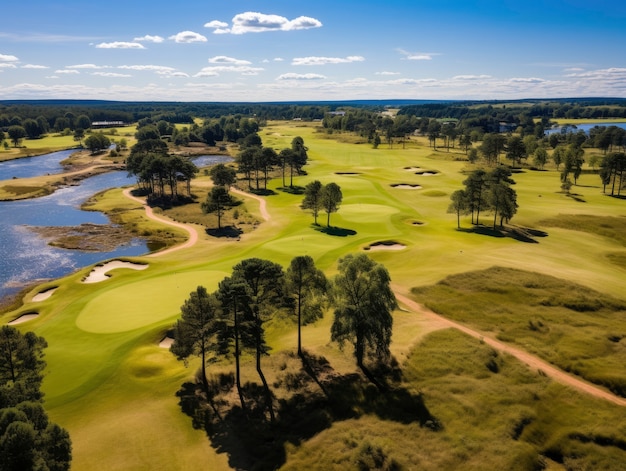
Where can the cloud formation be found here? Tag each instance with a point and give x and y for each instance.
(255, 22)
(314, 60)
(120, 45)
(227, 60)
(418, 56)
(215, 71)
(151, 39)
(187, 37)
(292, 76)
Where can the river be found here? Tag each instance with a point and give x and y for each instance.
(584, 127)
(25, 257)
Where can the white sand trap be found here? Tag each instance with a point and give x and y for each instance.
(382, 246)
(100, 273)
(406, 186)
(43, 295)
(24, 318)
(166, 342)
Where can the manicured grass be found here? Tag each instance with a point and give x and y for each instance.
(112, 387)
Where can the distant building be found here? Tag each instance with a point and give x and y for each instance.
(108, 124)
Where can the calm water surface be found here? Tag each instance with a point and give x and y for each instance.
(25, 257)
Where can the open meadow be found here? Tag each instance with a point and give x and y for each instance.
(114, 388)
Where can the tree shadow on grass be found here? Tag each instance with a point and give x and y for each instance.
(522, 234)
(311, 399)
(229, 232)
(293, 190)
(263, 192)
(334, 231)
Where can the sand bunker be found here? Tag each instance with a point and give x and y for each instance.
(386, 245)
(407, 186)
(100, 273)
(166, 342)
(347, 173)
(427, 173)
(24, 318)
(43, 295)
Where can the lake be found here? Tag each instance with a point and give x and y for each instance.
(585, 127)
(25, 257)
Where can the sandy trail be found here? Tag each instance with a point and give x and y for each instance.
(191, 230)
(533, 362)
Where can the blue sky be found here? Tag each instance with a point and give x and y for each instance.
(277, 50)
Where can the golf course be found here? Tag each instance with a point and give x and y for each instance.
(513, 341)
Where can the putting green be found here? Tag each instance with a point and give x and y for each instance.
(134, 305)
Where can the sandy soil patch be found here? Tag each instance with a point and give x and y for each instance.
(166, 342)
(427, 173)
(24, 318)
(43, 295)
(100, 273)
(388, 245)
(407, 186)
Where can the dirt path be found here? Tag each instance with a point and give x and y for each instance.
(191, 230)
(262, 203)
(534, 363)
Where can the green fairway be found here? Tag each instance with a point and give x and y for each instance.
(113, 388)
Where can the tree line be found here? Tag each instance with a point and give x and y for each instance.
(230, 321)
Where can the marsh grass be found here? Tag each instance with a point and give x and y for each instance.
(508, 419)
(578, 329)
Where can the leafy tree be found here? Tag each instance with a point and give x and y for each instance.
(236, 332)
(196, 330)
(79, 135)
(331, 198)
(541, 157)
(217, 201)
(491, 147)
(364, 302)
(304, 283)
(503, 200)
(223, 175)
(558, 155)
(313, 198)
(32, 128)
(264, 283)
(285, 156)
(458, 205)
(572, 162)
(2, 136)
(612, 169)
(83, 122)
(97, 142)
(515, 149)
(16, 134)
(475, 186)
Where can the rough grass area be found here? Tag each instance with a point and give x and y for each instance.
(493, 414)
(607, 226)
(578, 329)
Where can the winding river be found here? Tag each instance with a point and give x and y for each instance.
(25, 257)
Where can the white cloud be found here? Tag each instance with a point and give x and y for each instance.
(387, 73)
(87, 66)
(418, 56)
(254, 22)
(313, 60)
(216, 24)
(188, 37)
(214, 71)
(8, 58)
(153, 68)
(526, 80)
(67, 71)
(120, 45)
(228, 60)
(292, 76)
(7, 65)
(471, 77)
(150, 39)
(34, 66)
(111, 74)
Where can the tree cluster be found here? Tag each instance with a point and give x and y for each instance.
(28, 440)
(318, 197)
(257, 162)
(612, 170)
(231, 321)
(486, 191)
